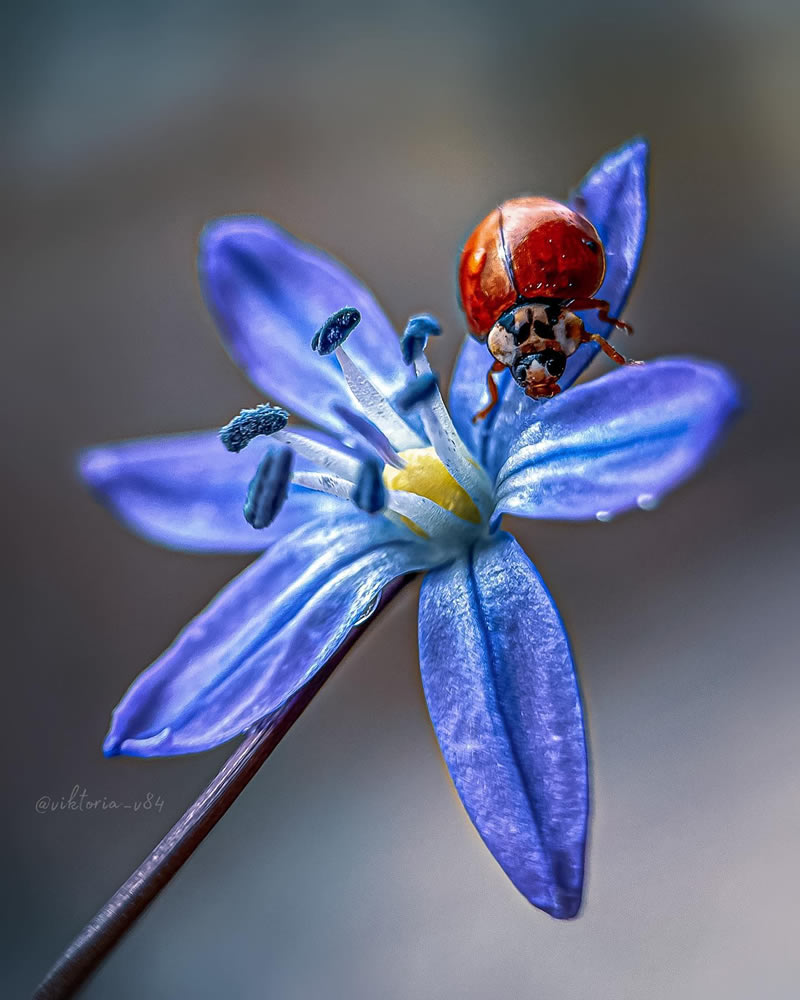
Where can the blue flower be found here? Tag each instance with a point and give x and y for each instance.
(395, 483)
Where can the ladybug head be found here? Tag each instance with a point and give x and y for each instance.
(538, 373)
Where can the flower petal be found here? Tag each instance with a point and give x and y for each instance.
(504, 701)
(623, 439)
(263, 636)
(269, 293)
(466, 397)
(614, 199)
(187, 492)
(613, 196)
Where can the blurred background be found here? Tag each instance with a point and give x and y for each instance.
(382, 133)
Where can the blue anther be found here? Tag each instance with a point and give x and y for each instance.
(420, 390)
(369, 492)
(268, 488)
(417, 331)
(335, 330)
(264, 419)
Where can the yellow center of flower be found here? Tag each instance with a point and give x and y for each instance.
(426, 476)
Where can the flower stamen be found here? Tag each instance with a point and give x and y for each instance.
(370, 493)
(376, 406)
(419, 390)
(332, 459)
(416, 334)
(335, 330)
(324, 482)
(328, 340)
(249, 424)
(443, 493)
(269, 487)
(419, 513)
(374, 437)
(445, 439)
(425, 516)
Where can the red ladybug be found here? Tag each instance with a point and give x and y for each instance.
(523, 268)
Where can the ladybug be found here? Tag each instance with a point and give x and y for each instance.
(524, 268)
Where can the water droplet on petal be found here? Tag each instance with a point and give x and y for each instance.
(647, 501)
(604, 515)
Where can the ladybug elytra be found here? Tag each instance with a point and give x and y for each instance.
(524, 268)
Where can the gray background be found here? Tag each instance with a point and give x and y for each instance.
(348, 868)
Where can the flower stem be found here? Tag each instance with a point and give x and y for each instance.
(110, 924)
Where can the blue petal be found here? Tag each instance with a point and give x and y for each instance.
(187, 492)
(269, 293)
(466, 397)
(263, 636)
(623, 439)
(614, 196)
(504, 701)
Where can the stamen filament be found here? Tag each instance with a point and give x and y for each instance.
(324, 482)
(449, 446)
(376, 406)
(427, 515)
(370, 433)
(321, 454)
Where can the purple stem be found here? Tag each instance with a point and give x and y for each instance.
(110, 924)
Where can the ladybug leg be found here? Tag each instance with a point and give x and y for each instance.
(494, 396)
(602, 312)
(606, 348)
